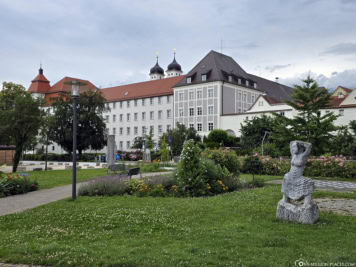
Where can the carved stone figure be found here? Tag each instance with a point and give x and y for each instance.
(296, 187)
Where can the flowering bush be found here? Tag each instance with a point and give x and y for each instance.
(11, 184)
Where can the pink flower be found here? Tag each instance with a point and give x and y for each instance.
(341, 164)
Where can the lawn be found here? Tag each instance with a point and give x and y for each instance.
(50, 179)
(234, 229)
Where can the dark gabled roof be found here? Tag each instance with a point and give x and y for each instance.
(273, 89)
(218, 67)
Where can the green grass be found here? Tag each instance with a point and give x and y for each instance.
(50, 179)
(235, 229)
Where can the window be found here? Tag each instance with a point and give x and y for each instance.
(121, 145)
(230, 78)
(128, 130)
(113, 118)
(240, 96)
(341, 112)
(135, 116)
(255, 85)
(340, 95)
(247, 83)
(159, 129)
(189, 79)
(199, 111)
(143, 129)
(114, 131)
(152, 129)
(247, 118)
(128, 116)
(169, 114)
(191, 125)
(200, 94)
(151, 101)
(191, 111)
(128, 103)
(135, 102)
(181, 96)
(168, 127)
(160, 114)
(210, 126)
(121, 117)
(260, 103)
(121, 130)
(159, 100)
(210, 93)
(143, 102)
(143, 116)
(191, 95)
(239, 81)
(181, 113)
(107, 130)
(199, 127)
(253, 99)
(120, 104)
(210, 110)
(107, 105)
(53, 148)
(107, 118)
(203, 77)
(114, 105)
(128, 144)
(152, 115)
(239, 110)
(327, 111)
(135, 130)
(245, 97)
(168, 99)
(282, 113)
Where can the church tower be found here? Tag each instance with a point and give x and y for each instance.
(174, 69)
(156, 72)
(39, 85)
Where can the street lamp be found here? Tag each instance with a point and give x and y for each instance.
(75, 94)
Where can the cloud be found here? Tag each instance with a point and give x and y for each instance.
(341, 49)
(276, 67)
(346, 78)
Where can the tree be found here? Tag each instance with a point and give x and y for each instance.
(138, 142)
(91, 125)
(20, 118)
(164, 151)
(308, 125)
(150, 143)
(219, 138)
(177, 136)
(253, 131)
(343, 142)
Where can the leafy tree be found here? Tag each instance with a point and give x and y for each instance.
(164, 151)
(177, 136)
(343, 143)
(150, 143)
(20, 118)
(308, 125)
(252, 164)
(138, 142)
(91, 125)
(253, 131)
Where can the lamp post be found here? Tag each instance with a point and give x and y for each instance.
(75, 94)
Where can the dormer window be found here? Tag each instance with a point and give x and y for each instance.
(230, 78)
(247, 83)
(189, 79)
(203, 77)
(255, 85)
(340, 95)
(239, 81)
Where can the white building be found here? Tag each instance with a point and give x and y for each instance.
(216, 93)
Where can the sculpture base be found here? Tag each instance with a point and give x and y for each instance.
(297, 213)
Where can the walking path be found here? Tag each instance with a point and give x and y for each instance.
(329, 185)
(34, 199)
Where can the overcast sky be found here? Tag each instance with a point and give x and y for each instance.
(111, 42)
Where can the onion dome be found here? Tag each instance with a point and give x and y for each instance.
(174, 65)
(157, 69)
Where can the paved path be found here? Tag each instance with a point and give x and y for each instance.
(329, 185)
(34, 199)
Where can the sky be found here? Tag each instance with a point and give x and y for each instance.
(114, 42)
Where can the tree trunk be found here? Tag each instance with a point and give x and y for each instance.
(17, 156)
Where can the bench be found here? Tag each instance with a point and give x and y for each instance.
(133, 171)
(116, 168)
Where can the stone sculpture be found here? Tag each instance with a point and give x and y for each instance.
(296, 187)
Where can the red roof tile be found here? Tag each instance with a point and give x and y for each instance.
(40, 84)
(142, 89)
(335, 101)
(271, 100)
(61, 87)
(347, 90)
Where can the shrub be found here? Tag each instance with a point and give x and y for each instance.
(15, 184)
(106, 186)
(269, 149)
(224, 158)
(189, 176)
(150, 167)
